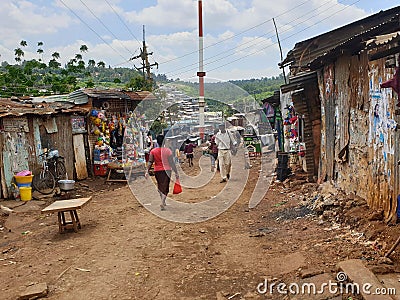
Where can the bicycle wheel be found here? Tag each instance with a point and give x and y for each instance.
(61, 171)
(43, 181)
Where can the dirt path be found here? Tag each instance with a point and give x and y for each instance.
(125, 252)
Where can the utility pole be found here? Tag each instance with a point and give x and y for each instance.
(146, 66)
(201, 72)
(280, 49)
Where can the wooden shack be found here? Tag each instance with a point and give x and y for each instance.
(28, 127)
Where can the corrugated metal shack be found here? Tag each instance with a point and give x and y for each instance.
(29, 126)
(351, 132)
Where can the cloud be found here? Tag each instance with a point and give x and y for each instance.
(22, 19)
(177, 14)
(87, 8)
(237, 33)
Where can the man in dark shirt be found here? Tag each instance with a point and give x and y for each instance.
(189, 152)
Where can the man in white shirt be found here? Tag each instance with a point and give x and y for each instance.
(223, 139)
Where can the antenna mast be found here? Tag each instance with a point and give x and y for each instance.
(201, 73)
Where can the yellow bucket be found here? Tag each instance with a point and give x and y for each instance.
(25, 193)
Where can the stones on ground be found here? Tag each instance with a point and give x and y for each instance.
(260, 232)
(6, 210)
(34, 291)
(382, 269)
(306, 273)
(355, 271)
(314, 287)
(383, 265)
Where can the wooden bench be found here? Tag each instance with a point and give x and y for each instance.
(65, 206)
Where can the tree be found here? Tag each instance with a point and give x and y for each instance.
(81, 65)
(83, 48)
(23, 43)
(54, 64)
(138, 83)
(91, 63)
(157, 126)
(89, 84)
(55, 55)
(19, 53)
(101, 64)
(40, 50)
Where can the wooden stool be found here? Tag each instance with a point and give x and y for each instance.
(65, 206)
(64, 225)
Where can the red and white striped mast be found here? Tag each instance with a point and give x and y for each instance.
(201, 73)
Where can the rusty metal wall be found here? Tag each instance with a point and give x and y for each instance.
(20, 149)
(356, 110)
(326, 81)
(60, 140)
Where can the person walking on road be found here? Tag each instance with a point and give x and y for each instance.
(213, 150)
(164, 164)
(223, 139)
(189, 152)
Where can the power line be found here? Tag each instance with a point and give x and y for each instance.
(254, 39)
(253, 53)
(238, 34)
(76, 15)
(304, 29)
(122, 21)
(104, 25)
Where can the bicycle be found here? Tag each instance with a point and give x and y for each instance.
(52, 170)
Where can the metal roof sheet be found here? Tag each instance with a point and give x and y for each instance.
(105, 93)
(309, 51)
(9, 107)
(383, 39)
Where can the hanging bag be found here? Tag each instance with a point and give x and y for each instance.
(232, 147)
(177, 187)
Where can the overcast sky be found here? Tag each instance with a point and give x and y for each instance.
(239, 35)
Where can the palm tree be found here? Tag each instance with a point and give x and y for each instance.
(55, 55)
(19, 53)
(91, 63)
(101, 64)
(83, 49)
(81, 65)
(23, 43)
(78, 57)
(40, 50)
(54, 64)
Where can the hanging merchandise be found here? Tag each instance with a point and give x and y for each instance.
(291, 129)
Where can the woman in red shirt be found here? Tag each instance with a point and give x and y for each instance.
(163, 165)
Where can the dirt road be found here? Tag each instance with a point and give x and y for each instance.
(125, 252)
